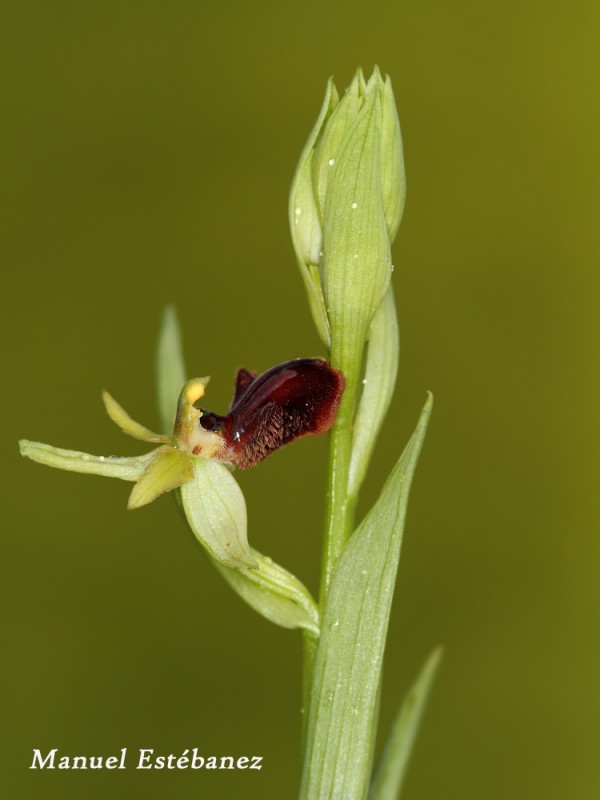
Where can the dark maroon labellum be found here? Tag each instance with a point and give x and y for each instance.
(294, 399)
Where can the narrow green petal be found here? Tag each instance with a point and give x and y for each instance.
(347, 673)
(216, 511)
(121, 418)
(396, 754)
(127, 469)
(170, 368)
(378, 387)
(274, 593)
(169, 469)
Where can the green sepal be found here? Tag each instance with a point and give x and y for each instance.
(274, 593)
(170, 368)
(127, 469)
(216, 512)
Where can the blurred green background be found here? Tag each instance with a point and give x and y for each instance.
(147, 152)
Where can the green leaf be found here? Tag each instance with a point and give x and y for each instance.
(396, 754)
(127, 469)
(274, 592)
(170, 369)
(169, 469)
(379, 382)
(342, 715)
(128, 425)
(216, 512)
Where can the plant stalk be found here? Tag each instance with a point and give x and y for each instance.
(339, 515)
(309, 651)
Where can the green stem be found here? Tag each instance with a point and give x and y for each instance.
(309, 651)
(339, 517)
(340, 507)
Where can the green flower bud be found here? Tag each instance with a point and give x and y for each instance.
(305, 224)
(356, 263)
(346, 204)
(331, 138)
(393, 177)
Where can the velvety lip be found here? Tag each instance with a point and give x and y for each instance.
(297, 398)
